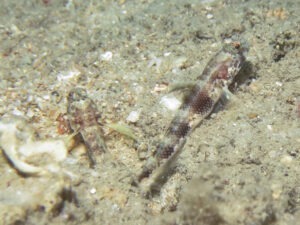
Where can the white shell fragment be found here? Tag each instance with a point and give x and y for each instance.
(67, 75)
(18, 144)
(133, 116)
(55, 148)
(93, 191)
(170, 102)
(106, 56)
(209, 16)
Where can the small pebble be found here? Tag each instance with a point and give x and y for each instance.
(67, 75)
(286, 160)
(133, 116)
(170, 102)
(106, 56)
(93, 191)
(270, 128)
(209, 16)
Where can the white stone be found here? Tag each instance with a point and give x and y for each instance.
(209, 16)
(93, 191)
(170, 102)
(67, 75)
(106, 56)
(133, 116)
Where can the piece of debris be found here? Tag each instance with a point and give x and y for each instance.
(17, 141)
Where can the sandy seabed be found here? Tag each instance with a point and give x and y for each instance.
(241, 166)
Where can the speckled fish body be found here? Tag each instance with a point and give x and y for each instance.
(83, 118)
(199, 104)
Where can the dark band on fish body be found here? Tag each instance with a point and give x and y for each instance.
(201, 103)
